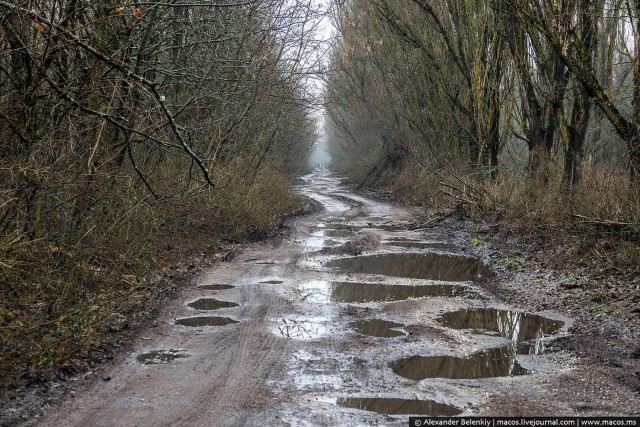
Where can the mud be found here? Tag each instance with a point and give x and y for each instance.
(161, 356)
(415, 245)
(309, 351)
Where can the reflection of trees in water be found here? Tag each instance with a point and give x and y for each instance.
(417, 266)
(526, 331)
(495, 362)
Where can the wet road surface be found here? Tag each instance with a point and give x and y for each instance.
(292, 335)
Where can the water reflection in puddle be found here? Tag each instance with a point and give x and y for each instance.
(495, 362)
(372, 292)
(205, 321)
(377, 328)
(215, 287)
(210, 304)
(157, 357)
(526, 329)
(395, 406)
(305, 329)
(316, 291)
(416, 266)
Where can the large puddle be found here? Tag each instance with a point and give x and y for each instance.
(524, 328)
(394, 406)
(416, 266)
(210, 304)
(373, 292)
(377, 328)
(156, 357)
(205, 321)
(495, 362)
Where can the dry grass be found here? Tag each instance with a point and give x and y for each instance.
(67, 292)
(596, 224)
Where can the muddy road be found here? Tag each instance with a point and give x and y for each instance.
(306, 333)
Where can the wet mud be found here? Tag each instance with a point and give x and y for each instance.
(358, 340)
(415, 245)
(157, 357)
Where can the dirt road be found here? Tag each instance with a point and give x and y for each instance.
(307, 334)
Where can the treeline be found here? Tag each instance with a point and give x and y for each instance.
(527, 108)
(129, 132)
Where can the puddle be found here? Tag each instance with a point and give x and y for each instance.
(394, 406)
(210, 304)
(316, 291)
(157, 357)
(495, 362)
(377, 328)
(416, 266)
(215, 287)
(415, 245)
(372, 292)
(205, 321)
(272, 282)
(301, 329)
(526, 329)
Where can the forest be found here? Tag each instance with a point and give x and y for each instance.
(526, 110)
(133, 135)
(140, 138)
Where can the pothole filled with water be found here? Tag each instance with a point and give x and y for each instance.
(210, 304)
(432, 266)
(157, 357)
(495, 362)
(373, 292)
(526, 329)
(415, 245)
(205, 321)
(215, 287)
(377, 328)
(395, 406)
(272, 282)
